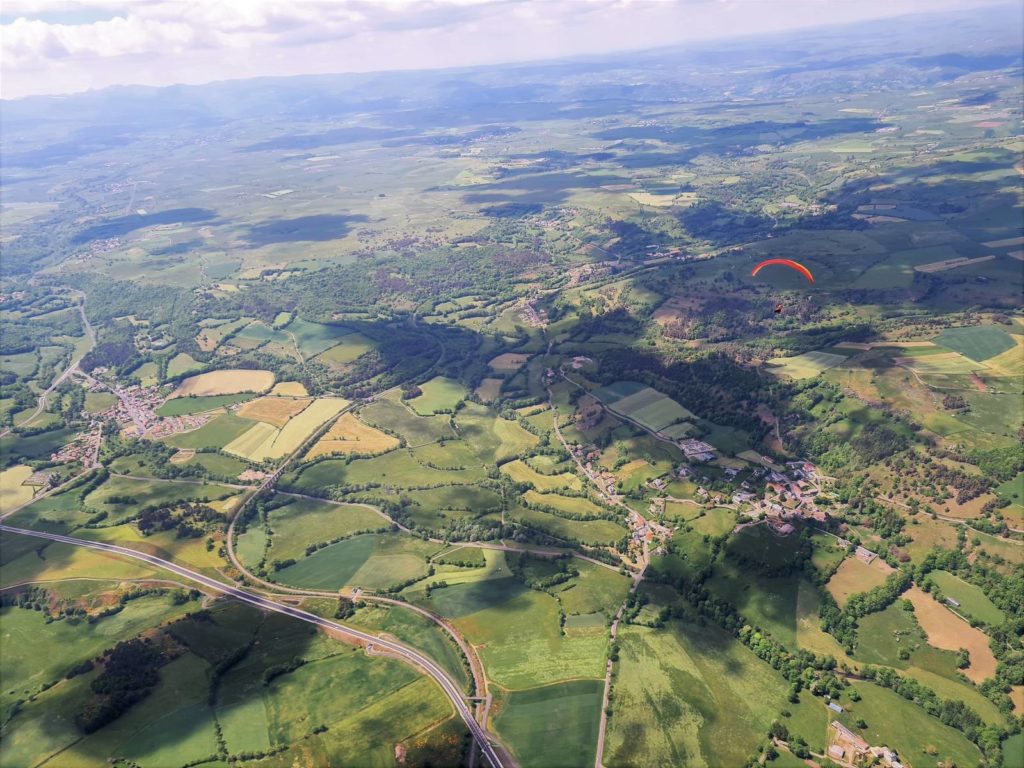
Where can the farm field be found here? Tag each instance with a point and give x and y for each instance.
(289, 389)
(808, 364)
(265, 441)
(397, 468)
(180, 406)
(978, 343)
(949, 632)
(972, 600)
(350, 347)
(855, 576)
(306, 521)
(521, 472)
(565, 714)
(225, 383)
(12, 492)
(509, 362)
(215, 434)
(439, 395)
(518, 632)
(276, 411)
(697, 696)
(349, 435)
(590, 532)
(394, 417)
(369, 561)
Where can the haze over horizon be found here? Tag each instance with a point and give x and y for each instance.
(65, 46)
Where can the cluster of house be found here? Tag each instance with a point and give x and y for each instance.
(849, 749)
(83, 447)
(790, 495)
(643, 531)
(533, 317)
(172, 425)
(134, 404)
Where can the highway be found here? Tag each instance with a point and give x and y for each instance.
(450, 688)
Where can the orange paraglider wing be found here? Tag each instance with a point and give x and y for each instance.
(785, 263)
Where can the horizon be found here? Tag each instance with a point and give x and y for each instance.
(37, 59)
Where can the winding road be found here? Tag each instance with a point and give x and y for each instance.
(449, 686)
(72, 366)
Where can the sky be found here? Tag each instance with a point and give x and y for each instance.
(65, 46)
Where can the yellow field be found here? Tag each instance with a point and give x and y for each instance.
(854, 576)
(509, 362)
(1007, 243)
(225, 383)
(273, 410)
(944, 362)
(1010, 362)
(806, 365)
(949, 632)
(12, 492)
(349, 435)
(289, 389)
(489, 389)
(263, 441)
(522, 473)
(248, 443)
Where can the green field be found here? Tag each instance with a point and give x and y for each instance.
(590, 532)
(883, 635)
(306, 521)
(144, 493)
(904, 727)
(372, 561)
(185, 405)
(394, 417)
(469, 497)
(183, 363)
(36, 652)
(397, 468)
(572, 505)
(350, 347)
(439, 394)
(979, 342)
(218, 464)
(554, 726)
(518, 632)
(973, 601)
(418, 632)
(694, 696)
(216, 433)
(493, 438)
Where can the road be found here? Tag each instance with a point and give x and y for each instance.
(72, 366)
(449, 686)
(599, 756)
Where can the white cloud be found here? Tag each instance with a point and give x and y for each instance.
(54, 46)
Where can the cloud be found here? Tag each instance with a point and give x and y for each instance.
(54, 46)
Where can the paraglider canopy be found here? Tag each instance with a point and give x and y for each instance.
(785, 263)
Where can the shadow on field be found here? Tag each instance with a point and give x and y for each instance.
(316, 228)
(125, 224)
